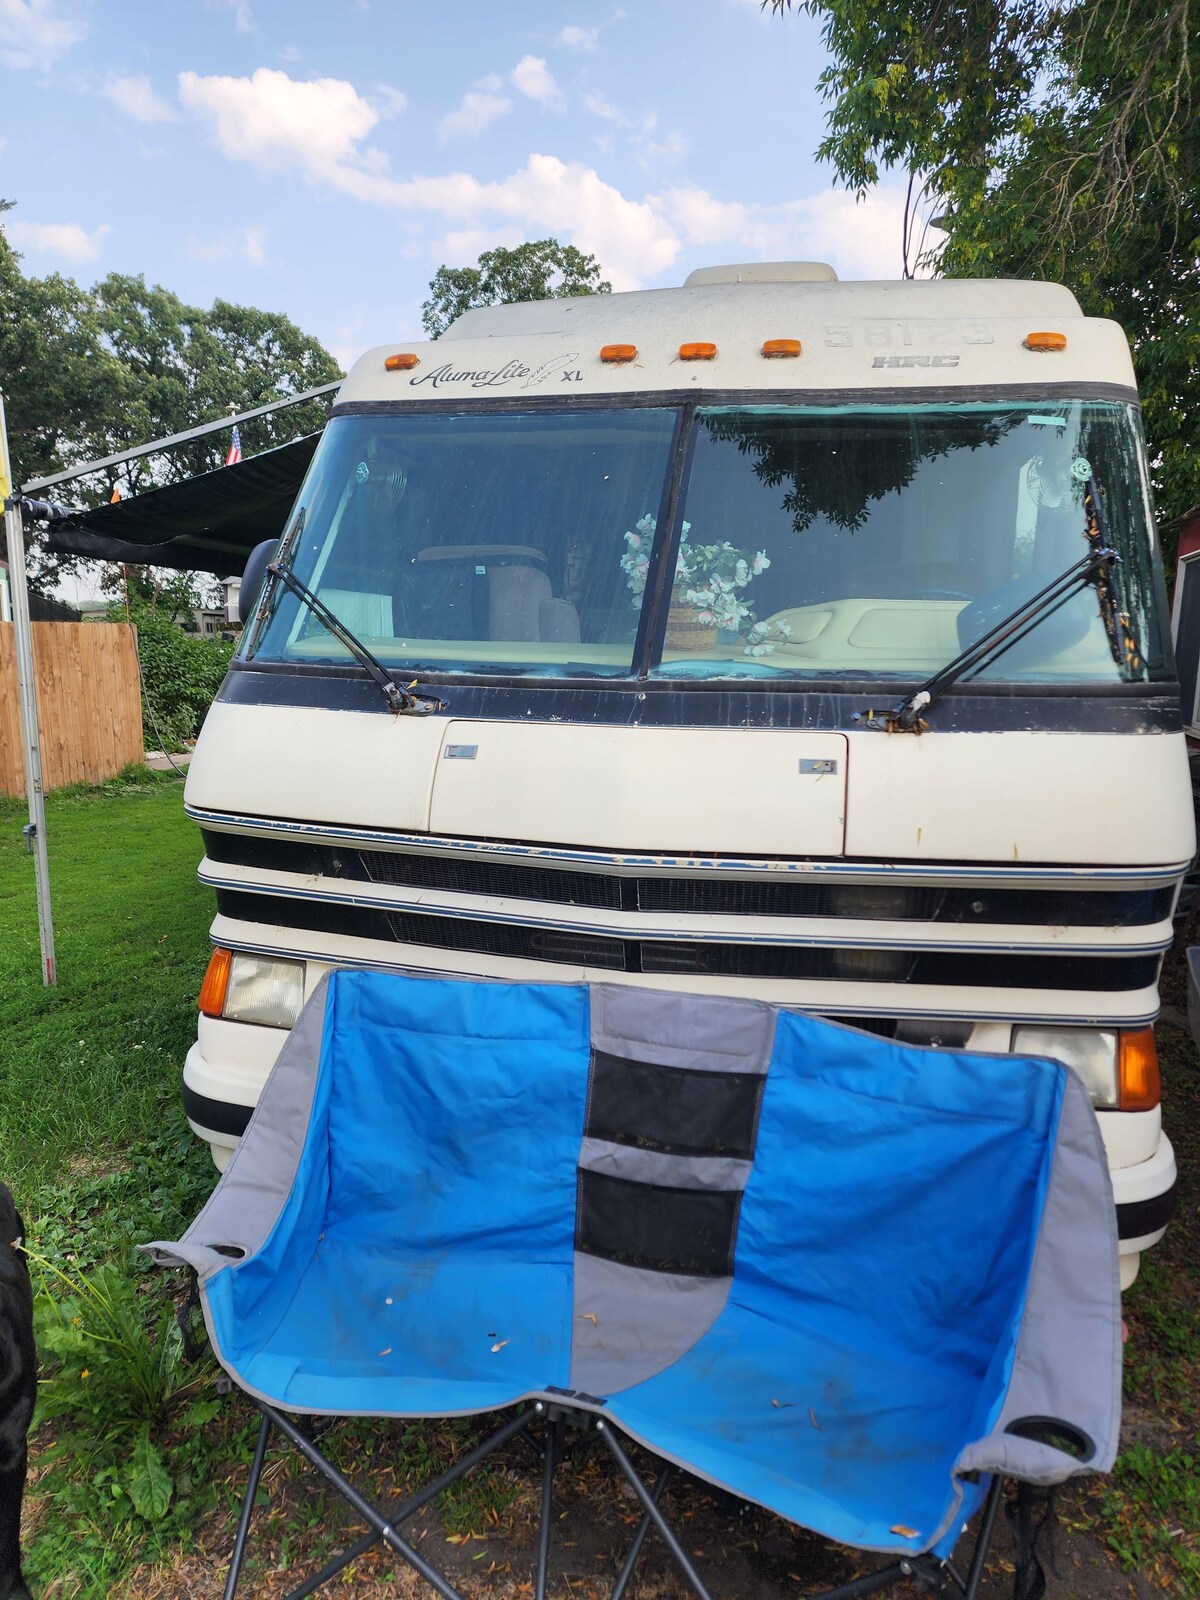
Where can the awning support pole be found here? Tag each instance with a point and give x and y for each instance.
(31, 747)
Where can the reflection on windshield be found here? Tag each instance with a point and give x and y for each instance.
(475, 542)
(880, 541)
(839, 542)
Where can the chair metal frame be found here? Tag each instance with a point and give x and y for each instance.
(928, 1573)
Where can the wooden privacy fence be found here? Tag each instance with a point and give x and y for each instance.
(89, 703)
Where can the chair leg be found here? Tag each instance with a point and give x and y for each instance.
(639, 1538)
(365, 1509)
(550, 1452)
(239, 1544)
(991, 1507)
(667, 1534)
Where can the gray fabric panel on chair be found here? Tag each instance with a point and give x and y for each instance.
(698, 1031)
(1066, 1364)
(631, 1323)
(246, 1202)
(636, 1165)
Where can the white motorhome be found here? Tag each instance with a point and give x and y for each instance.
(772, 635)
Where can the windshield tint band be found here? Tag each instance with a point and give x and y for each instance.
(1044, 708)
(942, 394)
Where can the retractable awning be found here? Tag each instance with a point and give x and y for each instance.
(204, 524)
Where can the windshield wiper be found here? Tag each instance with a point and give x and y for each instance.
(402, 701)
(907, 716)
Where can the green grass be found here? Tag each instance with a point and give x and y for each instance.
(92, 1065)
(98, 1152)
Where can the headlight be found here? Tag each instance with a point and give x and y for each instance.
(264, 991)
(1092, 1053)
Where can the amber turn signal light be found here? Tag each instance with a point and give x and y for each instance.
(781, 347)
(216, 981)
(402, 363)
(1139, 1087)
(1045, 341)
(697, 352)
(618, 352)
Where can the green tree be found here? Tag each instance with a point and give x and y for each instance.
(55, 372)
(182, 366)
(1059, 140)
(542, 269)
(89, 373)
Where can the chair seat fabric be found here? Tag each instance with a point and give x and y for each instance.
(824, 1271)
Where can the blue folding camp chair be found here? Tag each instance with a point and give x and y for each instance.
(858, 1283)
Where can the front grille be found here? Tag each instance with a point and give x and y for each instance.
(952, 969)
(710, 894)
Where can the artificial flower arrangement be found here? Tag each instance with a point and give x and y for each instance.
(707, 577)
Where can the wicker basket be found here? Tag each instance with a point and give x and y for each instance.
(685, 631)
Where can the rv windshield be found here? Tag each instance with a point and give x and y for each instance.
(877, 541)
(475, 542)
(834, 542)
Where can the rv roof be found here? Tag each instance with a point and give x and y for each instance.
(899, 297)
(890, 338)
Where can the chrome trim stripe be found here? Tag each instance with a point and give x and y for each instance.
(549, 972)
(707, 929)
(980, 875)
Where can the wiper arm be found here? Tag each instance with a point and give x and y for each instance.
(1121, 640)
(402, 701)
(907, 716)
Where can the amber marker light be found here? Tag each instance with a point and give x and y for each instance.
(697, 352)
(402, 363)
(775, 348)
(1139, 1087)
(216, 981)
(1045, 341)
(618, 352)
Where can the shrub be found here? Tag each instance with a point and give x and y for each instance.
(181, 673)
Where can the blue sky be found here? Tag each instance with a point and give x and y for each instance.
(323, 157)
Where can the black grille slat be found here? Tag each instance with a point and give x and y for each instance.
(683, 893)
(953, 969)
(507, 880)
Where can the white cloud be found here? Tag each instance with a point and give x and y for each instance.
(136, 97)
(66, 239)
(31, 35)
(243, 16)
(860, 238)
(584, 39)
(390, 101)
(532, 78)
(291, 54)
(319, 130)
(600, 107)
(243, 243)
(279, 123)
(666, 152)
(478, 109)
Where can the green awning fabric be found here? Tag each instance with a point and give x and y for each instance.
(205, 524)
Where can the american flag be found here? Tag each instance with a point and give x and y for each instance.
(234, 454)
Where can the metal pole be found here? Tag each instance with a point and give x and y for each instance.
(171, 439)
(35, 831)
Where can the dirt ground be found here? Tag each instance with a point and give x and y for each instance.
(741, 1553)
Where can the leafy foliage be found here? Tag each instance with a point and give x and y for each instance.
(181, 674)
(541, 269)
(1060, 141)
(91, 372)
(129, 1470)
